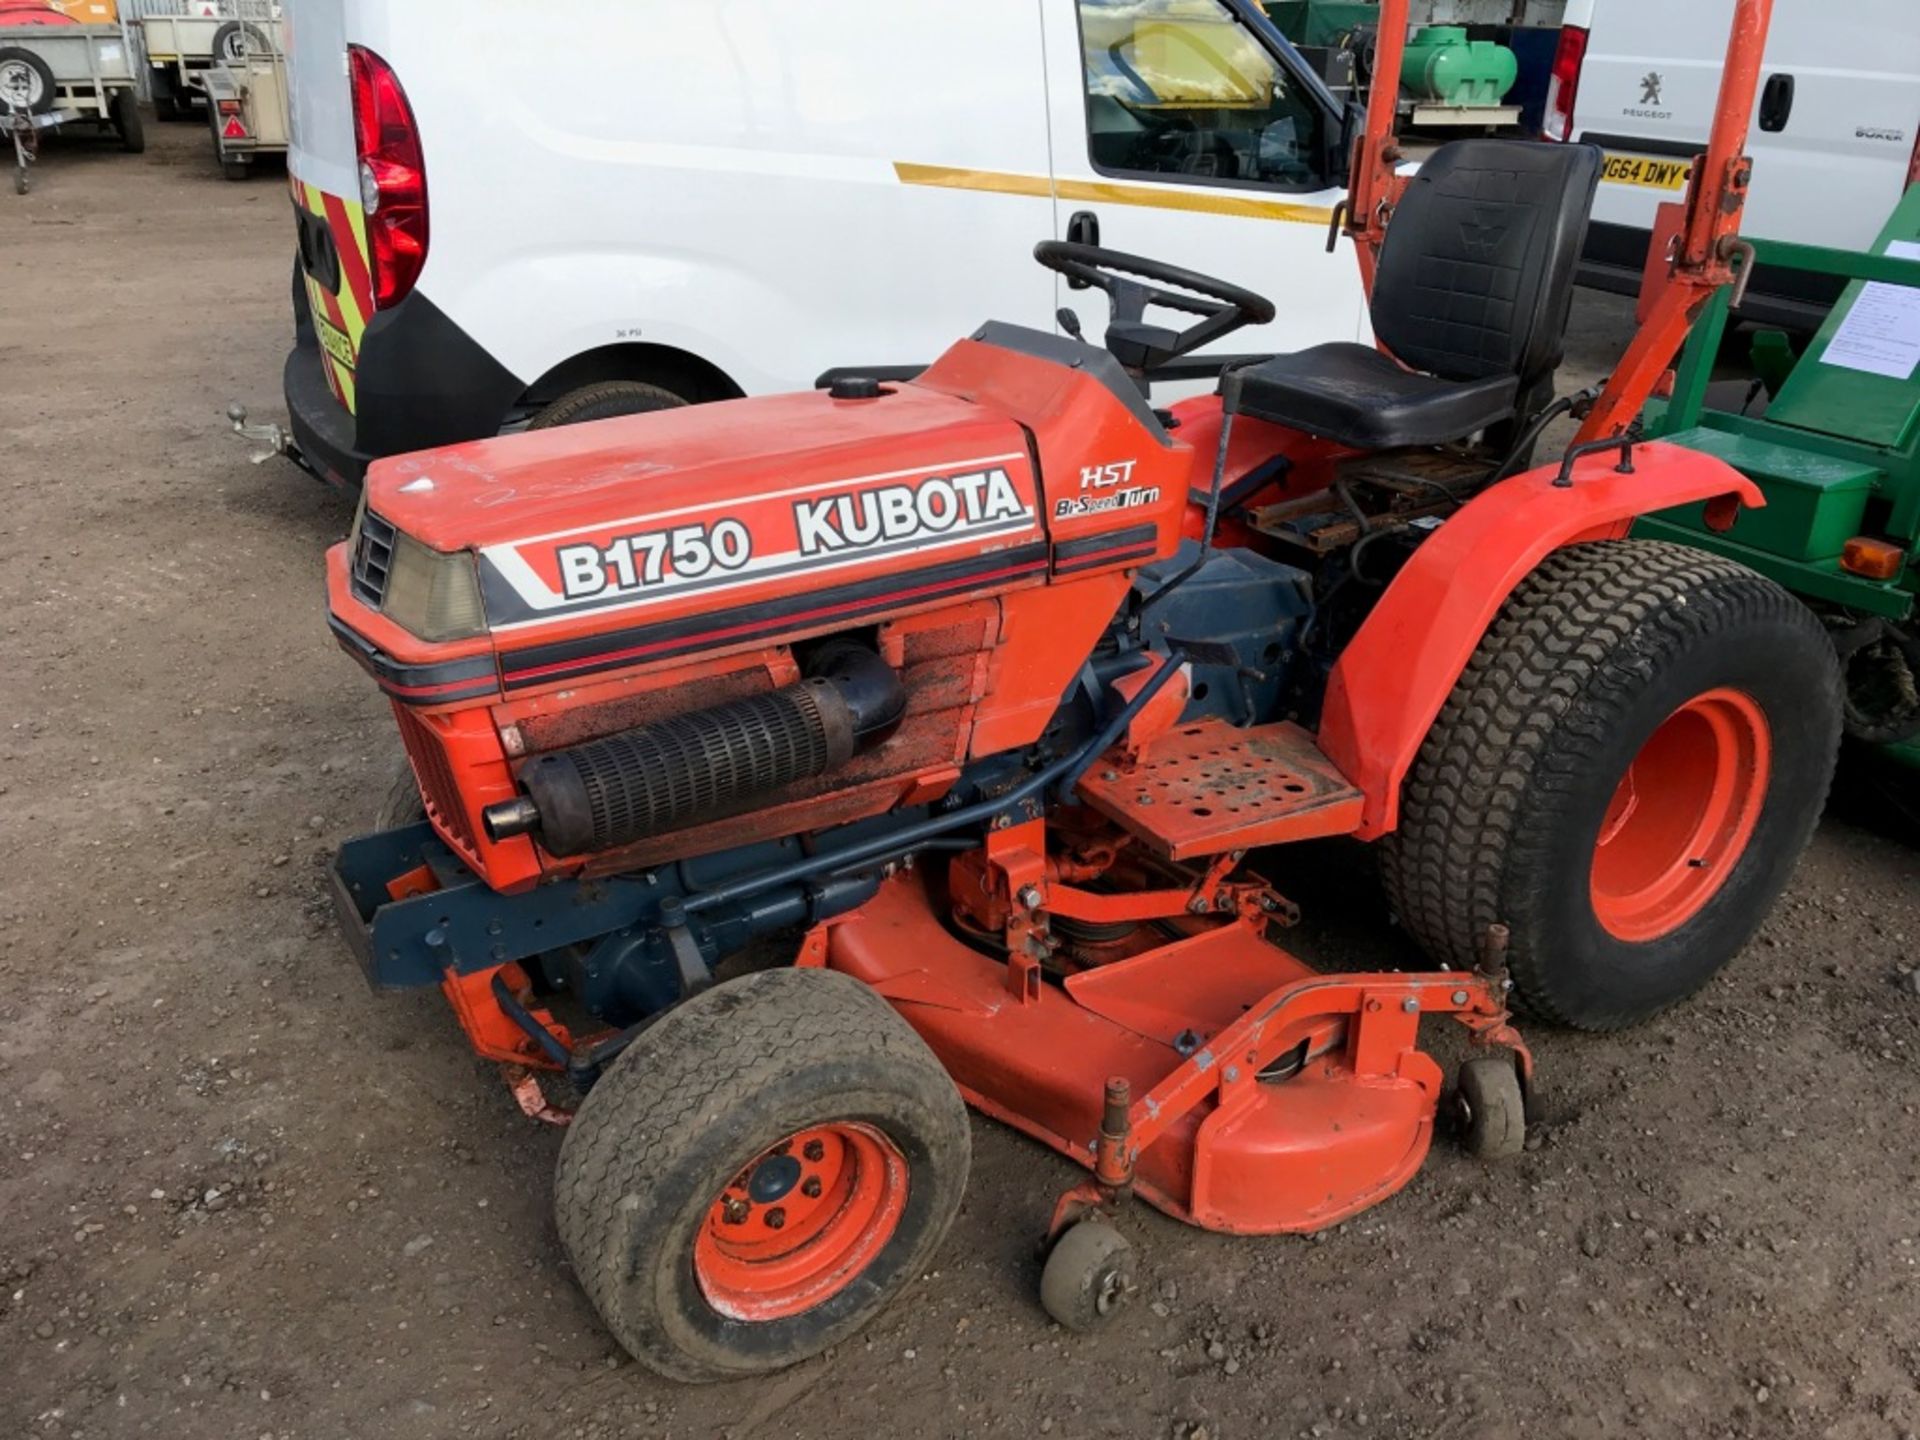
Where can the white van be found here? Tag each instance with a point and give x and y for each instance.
(1833, 140)
(698, 201)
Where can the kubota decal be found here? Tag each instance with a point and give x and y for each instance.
(984, 503)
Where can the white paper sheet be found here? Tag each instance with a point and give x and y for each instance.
(1881, 334)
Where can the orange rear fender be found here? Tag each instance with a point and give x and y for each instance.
(1390, 682)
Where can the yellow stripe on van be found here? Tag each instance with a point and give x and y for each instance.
(1197, 200)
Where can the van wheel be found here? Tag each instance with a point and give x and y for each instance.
(603, 401)
(1624, 776)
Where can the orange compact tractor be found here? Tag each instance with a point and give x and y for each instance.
(967, 698)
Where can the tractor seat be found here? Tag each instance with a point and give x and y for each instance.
(1470, 300)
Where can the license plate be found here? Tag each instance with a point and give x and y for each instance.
(1646, 171)
(334, 341)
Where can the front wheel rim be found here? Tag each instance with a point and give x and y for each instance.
(800, 1222)
(1681, 816)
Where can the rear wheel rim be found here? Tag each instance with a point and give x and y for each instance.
(1681, 816)
(800, 1222)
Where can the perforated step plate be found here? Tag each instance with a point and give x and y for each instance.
(1209, 786)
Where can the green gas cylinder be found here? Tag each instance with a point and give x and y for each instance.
(1442, 67)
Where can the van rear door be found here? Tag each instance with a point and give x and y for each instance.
(323, 174)
(1832, 134)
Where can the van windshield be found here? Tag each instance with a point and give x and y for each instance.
(1181, 88)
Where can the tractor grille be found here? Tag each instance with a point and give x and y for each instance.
(437, 788)
(372, 559)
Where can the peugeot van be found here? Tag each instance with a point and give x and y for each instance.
(1834, 138)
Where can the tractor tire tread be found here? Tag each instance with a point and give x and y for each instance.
(669, 1089)
(1585, 626)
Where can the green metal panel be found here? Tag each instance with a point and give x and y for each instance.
(1834, 399)
(1815, 504)
(1810, 580)
(1320, 22)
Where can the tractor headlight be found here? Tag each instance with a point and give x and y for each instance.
(433, 594)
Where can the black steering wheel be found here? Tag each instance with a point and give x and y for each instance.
(1133, 282)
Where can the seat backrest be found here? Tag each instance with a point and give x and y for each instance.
(1476, 272)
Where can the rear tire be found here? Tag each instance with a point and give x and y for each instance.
(1624, 775)
(603, 401)
(673, 1168)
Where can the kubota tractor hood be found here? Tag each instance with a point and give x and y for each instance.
(741, 507)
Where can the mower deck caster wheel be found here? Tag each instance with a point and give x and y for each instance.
(1493, 1112)
(1088, 1275)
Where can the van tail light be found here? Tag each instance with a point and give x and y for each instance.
(1564, 83)
(393, 177)
(1913, 164)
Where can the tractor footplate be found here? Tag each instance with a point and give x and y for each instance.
(1208, 787)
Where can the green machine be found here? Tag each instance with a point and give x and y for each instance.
(1832, 437)
(1446, 79)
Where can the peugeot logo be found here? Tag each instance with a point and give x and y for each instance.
(1650, 88)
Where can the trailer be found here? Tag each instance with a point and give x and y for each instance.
(55, 71)
(1830, 433)
(186, 40)
(247, 109)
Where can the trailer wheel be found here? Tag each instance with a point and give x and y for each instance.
(1624, 776)
(124, 113)
(759, 1173)
(603, 401)
(26, 83)
(233, 41)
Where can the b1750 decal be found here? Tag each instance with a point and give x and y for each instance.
(745, 539)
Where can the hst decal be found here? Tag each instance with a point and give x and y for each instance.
(741, 541)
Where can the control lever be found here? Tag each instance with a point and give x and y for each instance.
(1069, 322)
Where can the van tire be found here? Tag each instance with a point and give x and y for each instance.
(604, 400)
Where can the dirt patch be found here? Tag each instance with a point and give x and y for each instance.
(246, 1198)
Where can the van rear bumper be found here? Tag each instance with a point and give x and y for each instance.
(322, 429)
(1615, 255)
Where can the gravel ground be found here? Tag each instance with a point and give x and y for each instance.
(247, 1198)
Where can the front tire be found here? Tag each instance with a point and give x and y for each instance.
(759, 1173)
(1624, 776)
(603, 401)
